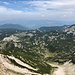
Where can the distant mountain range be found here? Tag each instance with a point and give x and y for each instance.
(13, 26)
(43, 29)
(46, 29)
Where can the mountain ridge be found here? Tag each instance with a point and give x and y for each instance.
(13, 26)
(50, 28)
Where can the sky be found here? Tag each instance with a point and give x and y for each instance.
(37, 13)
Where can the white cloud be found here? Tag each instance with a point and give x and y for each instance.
(4, 10)
(3, 2)
(6, 3)
(52, 4)
(58, 10)
(8, 14)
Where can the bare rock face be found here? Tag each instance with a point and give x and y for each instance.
(11, 38)
(3, 70)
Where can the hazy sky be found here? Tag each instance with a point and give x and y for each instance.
(51, 12)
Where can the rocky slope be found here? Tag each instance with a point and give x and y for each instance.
(8, 68)
(70, 30)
